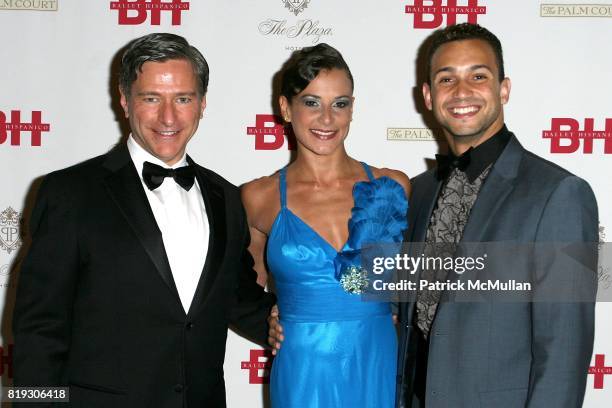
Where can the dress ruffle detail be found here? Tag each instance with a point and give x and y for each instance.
(379, 216)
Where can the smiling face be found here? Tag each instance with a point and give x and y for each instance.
(321, 114)
(466, 95)
(164, 108)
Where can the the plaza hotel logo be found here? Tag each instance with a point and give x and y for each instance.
(307, 29)
(296, 6)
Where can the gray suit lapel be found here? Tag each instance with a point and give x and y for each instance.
(496, 188)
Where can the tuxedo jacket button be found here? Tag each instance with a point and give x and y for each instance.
(189, 326)
(178, 388)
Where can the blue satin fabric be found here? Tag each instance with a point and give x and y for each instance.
(339, 351)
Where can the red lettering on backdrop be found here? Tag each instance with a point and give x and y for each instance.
(134, 12)
(15, 127)
(255, 364)
(435, 10)
(566, 136)
(273, 127)
(599, 370)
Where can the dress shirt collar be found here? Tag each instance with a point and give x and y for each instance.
(487, 153)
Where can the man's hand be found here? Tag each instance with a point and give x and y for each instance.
(275, 332)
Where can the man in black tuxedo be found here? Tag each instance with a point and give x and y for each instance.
(138, 260)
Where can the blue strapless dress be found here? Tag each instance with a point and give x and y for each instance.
(339, 351)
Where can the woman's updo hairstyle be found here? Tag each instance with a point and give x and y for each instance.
(304, 65)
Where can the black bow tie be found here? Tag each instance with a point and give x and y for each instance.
(446, 164)
(154, 175)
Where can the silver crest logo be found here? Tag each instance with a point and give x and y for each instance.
(296, 6)
(10, 239)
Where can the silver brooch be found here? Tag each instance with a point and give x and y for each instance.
(354, 279)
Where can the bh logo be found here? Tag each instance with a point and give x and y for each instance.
(259, 361)
(134, 12)
(270, 133)
(15, 127)
(566, 136)
(430, 13)
(599, 370)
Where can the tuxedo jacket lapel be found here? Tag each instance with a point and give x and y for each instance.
(126, 189)
(214, 201)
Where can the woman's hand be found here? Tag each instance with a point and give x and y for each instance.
(275, 331)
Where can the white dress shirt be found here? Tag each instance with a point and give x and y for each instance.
(181, 217)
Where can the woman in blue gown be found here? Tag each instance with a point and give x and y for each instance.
(307, 223)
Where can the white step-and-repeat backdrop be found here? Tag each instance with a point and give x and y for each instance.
(59, 105)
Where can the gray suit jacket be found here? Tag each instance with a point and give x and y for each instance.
(519, 354)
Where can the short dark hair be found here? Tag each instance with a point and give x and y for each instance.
(160, 47)
(304, 65)
(466, 31)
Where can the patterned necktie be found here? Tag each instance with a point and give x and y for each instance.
(445, 230)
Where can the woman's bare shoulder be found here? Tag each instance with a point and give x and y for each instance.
(261, 200)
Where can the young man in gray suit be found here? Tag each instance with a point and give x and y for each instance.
(490, 189)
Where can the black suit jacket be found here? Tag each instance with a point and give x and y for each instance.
(97, 307)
